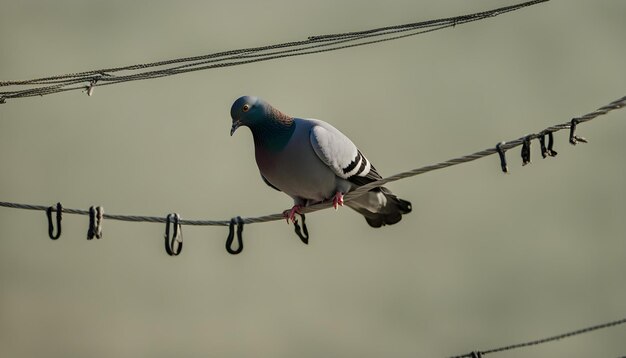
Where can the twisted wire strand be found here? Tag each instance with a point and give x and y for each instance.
(457, 19)
(544, 340)
(312, 45)
(617, 104)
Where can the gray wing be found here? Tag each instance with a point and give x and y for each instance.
(341, 155)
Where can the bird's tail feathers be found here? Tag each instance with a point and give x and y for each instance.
(381, 207)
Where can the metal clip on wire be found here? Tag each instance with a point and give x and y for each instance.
(296, 227)
(231, 235)
(476, 354)
(173, 243)
(573, 138)
(92, 84)
(542, 140)
(551, 152)
(542, 143)
(526, 150)
(501, 151)
(59, 211)
(96, 215)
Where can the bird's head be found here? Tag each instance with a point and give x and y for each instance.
(247, 111)
(257, 115)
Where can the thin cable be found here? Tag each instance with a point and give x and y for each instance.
(617, 104)
(312, 45)
(544, 340)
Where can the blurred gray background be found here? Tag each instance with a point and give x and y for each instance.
(484, 260)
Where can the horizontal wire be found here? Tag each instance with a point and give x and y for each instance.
(617, 104)
(437, 22)
(544, 340)
(312, 45)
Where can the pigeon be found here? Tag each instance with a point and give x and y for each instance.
(312, 161)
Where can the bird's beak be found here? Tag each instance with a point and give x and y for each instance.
(236, 125)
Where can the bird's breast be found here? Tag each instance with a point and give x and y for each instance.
(297, 170)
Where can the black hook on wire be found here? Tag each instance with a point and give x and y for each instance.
(231, 236)
(549, 151)
(573, 138)
(304, 237)
(173, 243)
(542, 143)
(501, 151)
(526, 150)
(96, 215)
(59, 211)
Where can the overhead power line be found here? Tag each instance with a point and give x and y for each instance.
(478, 354)
(500, 148)
(88, 80)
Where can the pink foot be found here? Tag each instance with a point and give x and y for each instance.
(291, 214)
(338, 200)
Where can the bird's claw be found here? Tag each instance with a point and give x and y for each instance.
(338, 200)
(291, 214)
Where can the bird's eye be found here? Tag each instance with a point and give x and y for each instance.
(245, 108)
